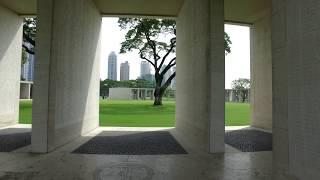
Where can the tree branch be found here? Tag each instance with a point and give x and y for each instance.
(169, 66)
(153, 46)
(142, 57)
(172, 46)
(168, 82)
(28, 50)
(29, 40)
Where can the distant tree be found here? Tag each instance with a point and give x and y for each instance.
(29, 34)
(105, 85)
(145, 83)
(241, 87)
(143, 35)
(126, 84)
(170, 93)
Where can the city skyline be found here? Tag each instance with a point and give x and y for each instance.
(112, 36)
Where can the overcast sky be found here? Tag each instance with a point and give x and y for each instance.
(237, 63)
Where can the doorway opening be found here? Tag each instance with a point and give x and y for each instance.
(137, 88)
(16, 135)
(241, 92)
(131, 69)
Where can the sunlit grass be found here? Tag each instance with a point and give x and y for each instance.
(143, 114)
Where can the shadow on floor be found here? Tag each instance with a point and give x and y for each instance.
(135, 143)
(14, 138)
(249, 140)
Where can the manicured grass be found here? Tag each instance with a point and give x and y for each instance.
(137, 114)
(237, 114)
(25, 112)
(143, 114)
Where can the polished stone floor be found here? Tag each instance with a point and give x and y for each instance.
(63, 165)
(59, 166)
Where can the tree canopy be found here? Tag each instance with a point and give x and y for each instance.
(241, 87)
(29, 34)
(155, 40)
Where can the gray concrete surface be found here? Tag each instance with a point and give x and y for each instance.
(303, 62)
(10, 60)
(57, 166)
(280, 91)
(201, 65)
(196, 165)
(261, 72)
(296, 126)
(235, 11)
(66, 102)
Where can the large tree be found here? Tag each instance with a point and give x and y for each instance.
(241, 87)
(155, 40)
(29, 35)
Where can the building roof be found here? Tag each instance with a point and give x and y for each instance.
(245, 11)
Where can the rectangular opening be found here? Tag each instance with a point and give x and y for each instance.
(244, 94)
(128, 79)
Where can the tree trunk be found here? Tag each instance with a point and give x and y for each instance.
(158, 97)
(243, 95)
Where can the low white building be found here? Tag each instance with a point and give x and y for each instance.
(131, 93)
(26, 89)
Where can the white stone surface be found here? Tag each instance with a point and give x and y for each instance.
(280, 90)
(40, 113)
(121, 93)
(295, 43)
(303, 37)
(200, 74)
(261, 73)
(61, 166)
(68, 64)
(25, 90)
(10, 65)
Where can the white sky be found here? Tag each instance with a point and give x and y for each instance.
(237, 63)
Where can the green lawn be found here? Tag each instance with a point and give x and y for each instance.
(237, 114)
(25, 112)
(136, 114)
(143, 114)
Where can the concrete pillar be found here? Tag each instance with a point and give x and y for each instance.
(66, 91)
(295, 46)
(280, 91)
(303, 58)
(10, 66)
(200, 68)
(261, 72)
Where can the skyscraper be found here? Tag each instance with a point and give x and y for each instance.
(144, 68)
(124, 71)
(112, 66)
(27, 69)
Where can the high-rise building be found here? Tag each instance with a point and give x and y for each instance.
(124, 71)
(112, 66)
(145, 68)
(27, 69)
